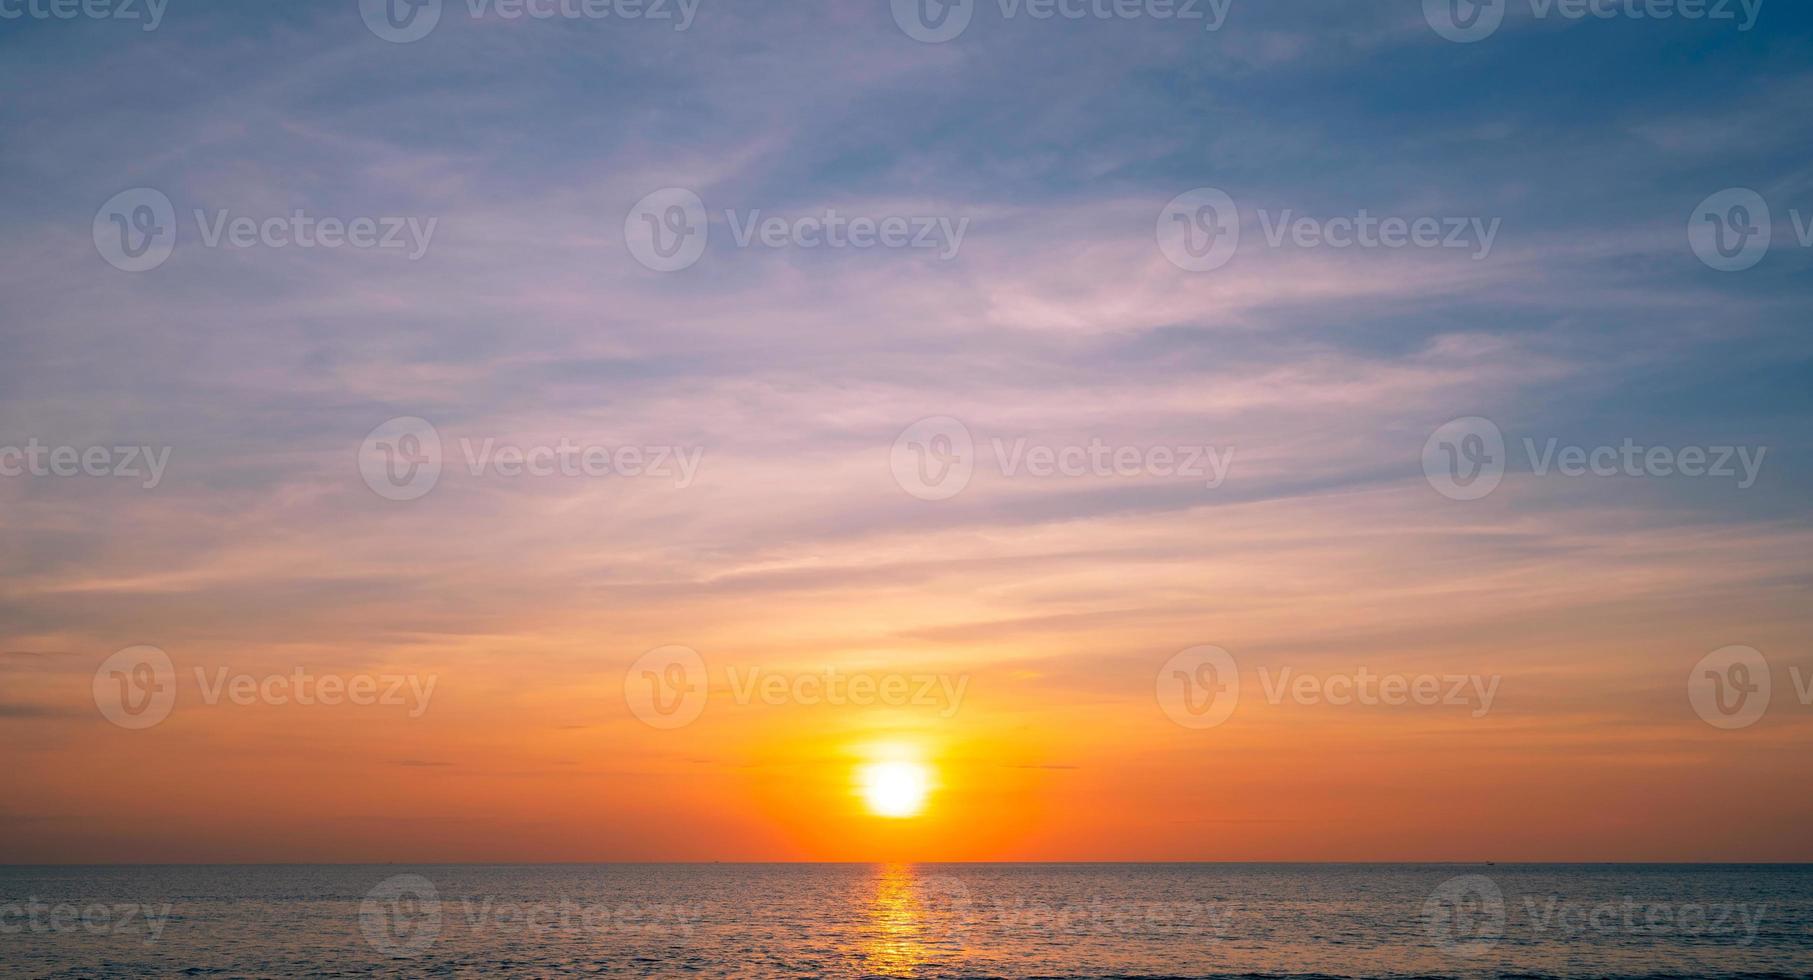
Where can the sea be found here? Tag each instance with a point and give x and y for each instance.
(1248, 921)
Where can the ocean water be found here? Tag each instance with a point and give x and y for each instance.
(928, 920)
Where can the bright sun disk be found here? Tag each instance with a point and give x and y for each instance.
(894, 789)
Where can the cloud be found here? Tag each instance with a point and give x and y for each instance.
(1060, 321)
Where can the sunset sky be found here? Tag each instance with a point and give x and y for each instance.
(1043, 610)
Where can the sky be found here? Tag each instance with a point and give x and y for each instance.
(1007, 498)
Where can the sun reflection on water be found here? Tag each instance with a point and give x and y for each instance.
(914, 918)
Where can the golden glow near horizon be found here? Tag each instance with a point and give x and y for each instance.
(1060, 746)
(895, 788)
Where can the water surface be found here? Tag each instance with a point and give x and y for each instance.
(928, 920)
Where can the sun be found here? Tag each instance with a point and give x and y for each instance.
(894, 789)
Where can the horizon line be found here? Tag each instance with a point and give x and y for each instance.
(707, 863)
